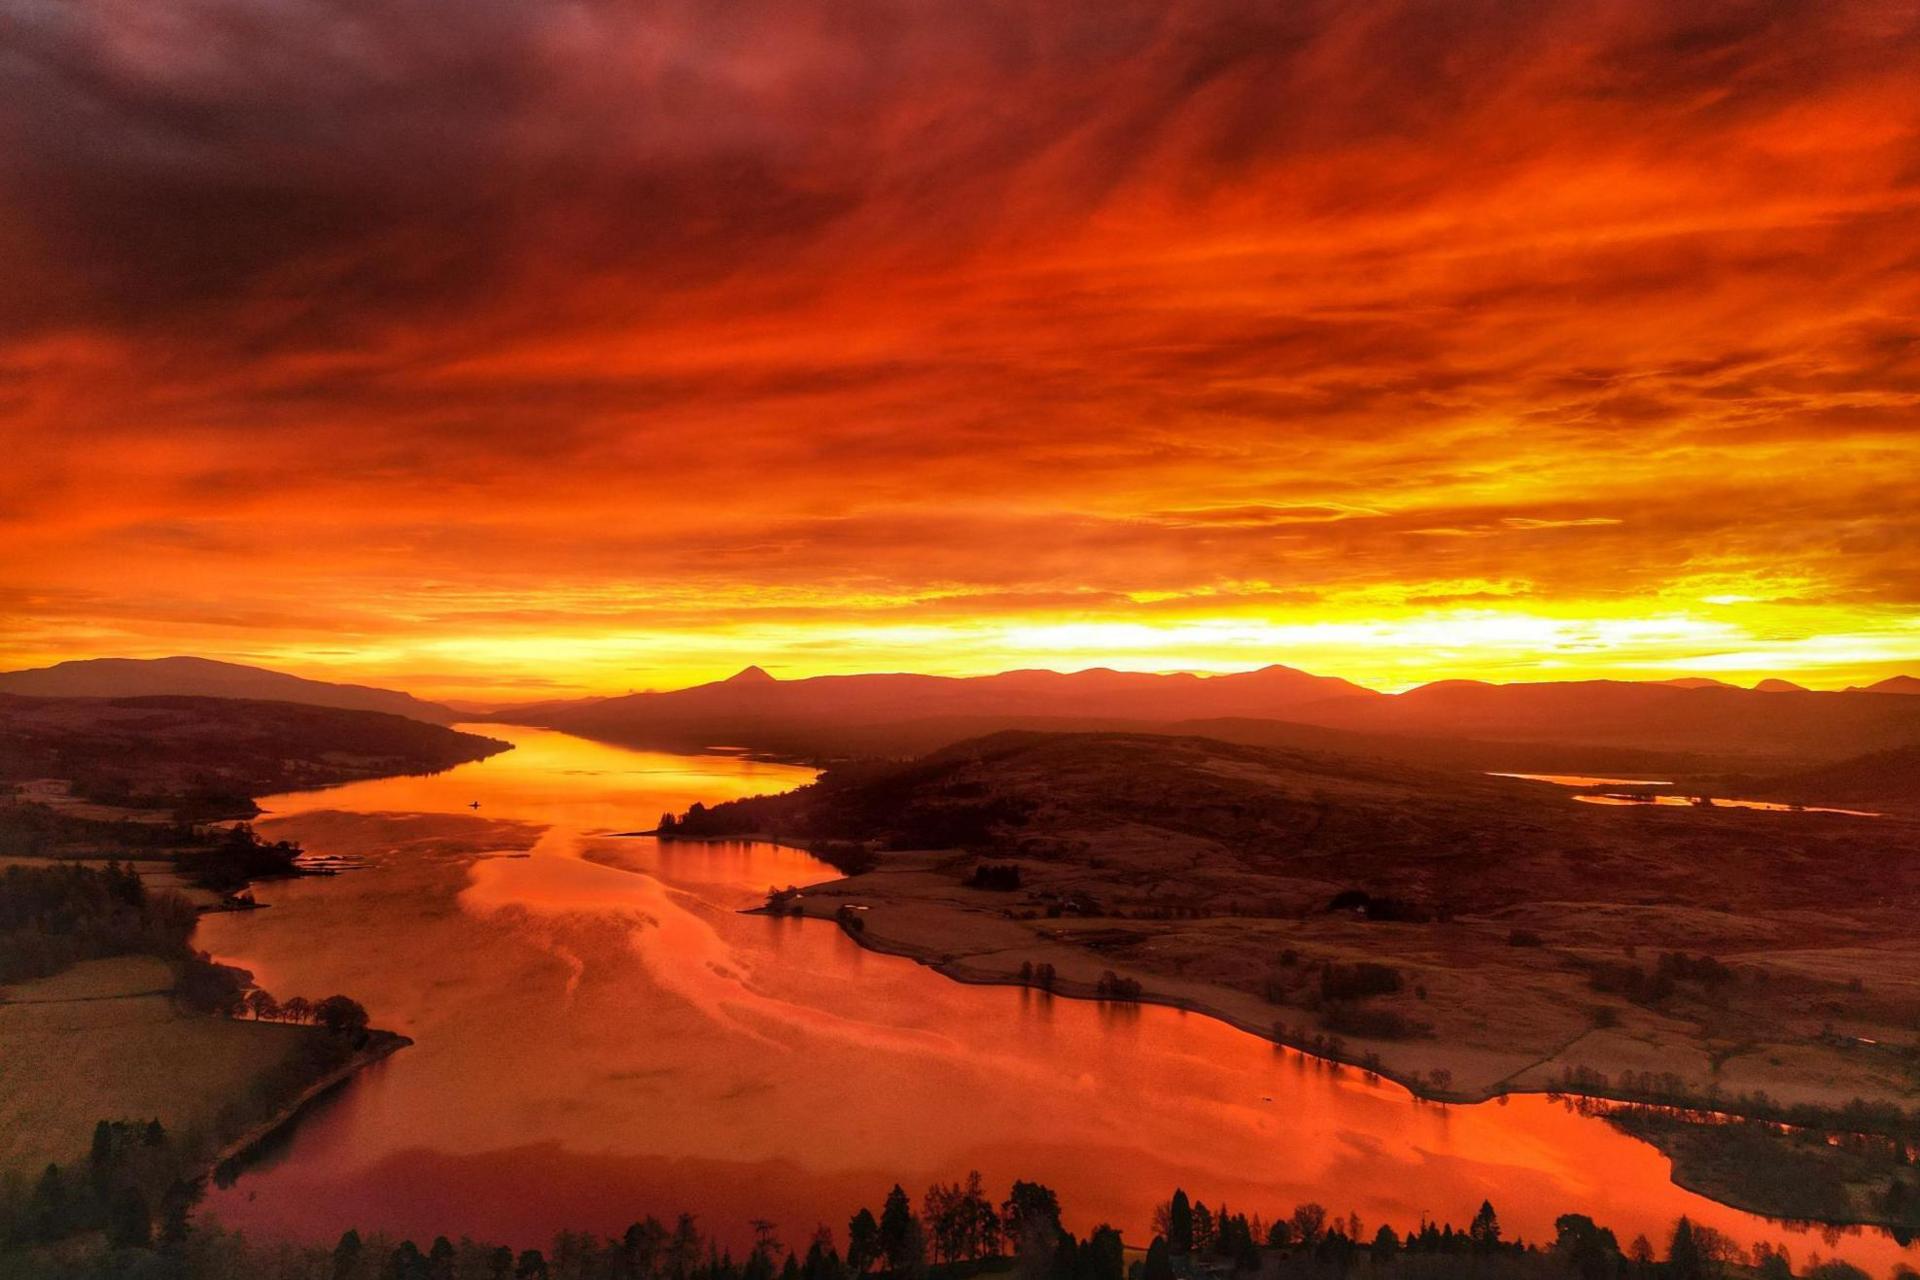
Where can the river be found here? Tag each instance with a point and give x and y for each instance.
(600, 1034)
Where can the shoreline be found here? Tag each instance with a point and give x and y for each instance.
(380, 1046)
(1416, 1089)
(1686, 1178)
(1071, 990)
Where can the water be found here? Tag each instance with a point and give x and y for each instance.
(600, 1035)
(1581, 780)
(1667, 800)
(1765, 806)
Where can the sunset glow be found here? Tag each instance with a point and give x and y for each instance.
(586, 348)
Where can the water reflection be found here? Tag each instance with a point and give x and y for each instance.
(1715, 802)
(602, 1035)
(1581, 780)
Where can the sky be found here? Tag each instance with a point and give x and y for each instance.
(509, 350)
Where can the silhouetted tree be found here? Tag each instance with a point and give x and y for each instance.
(346, 1254)
(863, 1242)
(404, 1263)
(1180, 1225)
(899, 1231)
(1683, 1254)
(1485, 1229)
(1102, 1257)
(1591, 1250)
(440, 1259)
(344, 1017)
(129, 1221)
(1159, 1264)
(1309, 1221)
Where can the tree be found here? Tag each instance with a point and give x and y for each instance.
(208, 987)
(1485, 1230)
(347, 1018)
(1180, 1224)
(1591, 1250)
(863, 1242)
(683, 1249)
(406, 1262)
(176, 1220)
(1159, 1265)
(823, 1260)
(1102, 1257)
(1030, 1207)
(49, 1211)
(1203, 1229)
(532, 1264)
(262, 1005)
(1772, 1263)
(297, 1009)
(1308, 1222)
(899, 1230)
(1683, 1254)
(1385, 1245)
(913, 1252)
(129, 1222)
(1641, 1252)
(346, 1254)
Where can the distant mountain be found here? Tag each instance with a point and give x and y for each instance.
(205, 678)
(1716, 726)
(1698, 682)
(1779, 686)
(1892, 684)
(752, 708)
(1803, 726)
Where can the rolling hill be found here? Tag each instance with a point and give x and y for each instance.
(148, 752)
(206, 678)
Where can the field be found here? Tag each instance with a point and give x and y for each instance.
(103, 1041)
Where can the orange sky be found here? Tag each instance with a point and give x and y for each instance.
(524, 349)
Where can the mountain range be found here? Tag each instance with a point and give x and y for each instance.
(1712, 724)
(1691, 722)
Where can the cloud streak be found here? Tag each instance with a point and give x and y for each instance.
(384, 319)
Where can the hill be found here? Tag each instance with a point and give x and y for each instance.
(1467, 934)
(152, 752)
(1892, 684)
(812, 715)
(1887, 779)
(206, 678)
(1778, 726)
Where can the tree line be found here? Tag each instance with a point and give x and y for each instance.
(53, 917)
(955, 1231)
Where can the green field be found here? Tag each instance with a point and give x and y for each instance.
(100, 1041)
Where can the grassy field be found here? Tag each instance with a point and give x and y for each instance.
(1523, 934)
(96, 1042)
